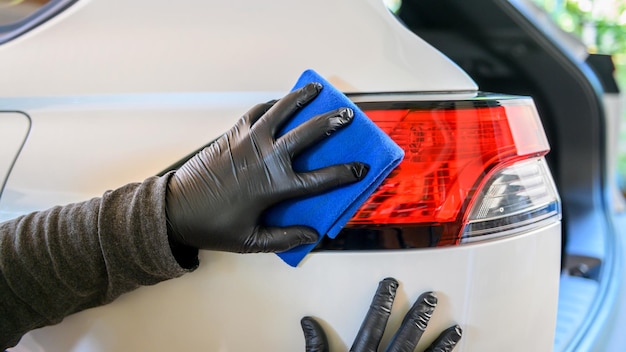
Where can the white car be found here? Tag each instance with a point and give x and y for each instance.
(96, 94)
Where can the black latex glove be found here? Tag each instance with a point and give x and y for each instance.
(373, 327)
(216, 199)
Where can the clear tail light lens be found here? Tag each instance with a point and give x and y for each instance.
(473, 170)
(520, 196)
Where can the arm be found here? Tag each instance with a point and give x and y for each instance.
(66, 259)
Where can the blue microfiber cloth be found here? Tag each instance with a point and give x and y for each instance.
(361, 141)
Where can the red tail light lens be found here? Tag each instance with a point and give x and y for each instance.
(450, 149)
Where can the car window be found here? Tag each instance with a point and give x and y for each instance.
(19, 16)
(12, 11)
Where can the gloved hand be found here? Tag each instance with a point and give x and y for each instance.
(373, 326)
(216, 199)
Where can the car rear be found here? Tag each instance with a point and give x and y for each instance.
(515, 47)
(472, 212)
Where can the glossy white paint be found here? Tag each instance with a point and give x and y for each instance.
(79, 147)
(13, 131)
(117, 91)
(118, 46)
(503, 293)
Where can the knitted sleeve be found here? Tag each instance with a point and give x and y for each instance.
(69, 258)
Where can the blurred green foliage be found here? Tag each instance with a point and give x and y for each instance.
(601, 25)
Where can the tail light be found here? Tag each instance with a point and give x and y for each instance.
(473, 170)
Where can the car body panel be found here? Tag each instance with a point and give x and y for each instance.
(119, 91)
(101, 47)
(14, 128)
(237, 302)
(80, 147)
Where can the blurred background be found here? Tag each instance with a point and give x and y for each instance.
(601, 25)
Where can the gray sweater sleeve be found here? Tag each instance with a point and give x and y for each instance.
(69, 258)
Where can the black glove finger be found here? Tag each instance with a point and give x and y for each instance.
(447, 340)
(278, 239)
(315, 129)
(257, 111)
(327, 178)
(284, 109)
(414, 324)
(373, 326)
(314, 336)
